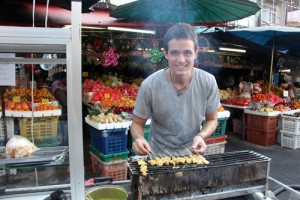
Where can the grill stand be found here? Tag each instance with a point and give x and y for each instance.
(230, 175)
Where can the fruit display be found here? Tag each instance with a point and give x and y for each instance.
(238, 101)
(105, 118)
(274, 89)
(18, 106)
(221, 109)
(43, 107)
(280, 107)
(273, 98)
(295, 104)
(225, 94)
(261, 107)
(24, 95)
(122, 96)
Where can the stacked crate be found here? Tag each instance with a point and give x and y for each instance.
(146, 136)
(261, 130)
(290, 132)
(109, 152)
(217, 141)
(44, 130)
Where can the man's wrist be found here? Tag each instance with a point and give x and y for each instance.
(200, 135)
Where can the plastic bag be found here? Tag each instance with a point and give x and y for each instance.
(19, 147)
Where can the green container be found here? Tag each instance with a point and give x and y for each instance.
(221, 128)
(110, 192)
(46, 141)
(146, 135)
(109, 157)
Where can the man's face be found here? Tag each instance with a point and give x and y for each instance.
(181, 55)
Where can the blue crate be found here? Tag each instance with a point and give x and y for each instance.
(109, 141)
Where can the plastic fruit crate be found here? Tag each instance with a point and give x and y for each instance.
(221, 128)
(237, 126)
(43, 127)
(9, 129)
(216, 139)
(116, 169)
(291, 124)
(264, 138)
(289, 140)
(262, 123)
(109, 157)
(215, 148)
(146, 136)
(109, 141)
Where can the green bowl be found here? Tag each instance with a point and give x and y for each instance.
(109, 192)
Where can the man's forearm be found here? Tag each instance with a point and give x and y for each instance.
(208, 128)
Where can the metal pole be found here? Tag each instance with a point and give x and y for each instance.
(285, 186)
(271, 69)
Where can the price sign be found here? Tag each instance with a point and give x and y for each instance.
(85, 74)
(285, 93)
(45, 101)
(16, 99)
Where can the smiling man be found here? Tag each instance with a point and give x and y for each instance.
(178, 99)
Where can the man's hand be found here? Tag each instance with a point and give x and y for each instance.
(141, 147)
(198, 145)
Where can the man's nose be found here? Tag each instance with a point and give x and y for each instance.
(180, 58)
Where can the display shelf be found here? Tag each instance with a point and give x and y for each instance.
(99, 126)
(46, 113)
(268, 114)
(234, 106)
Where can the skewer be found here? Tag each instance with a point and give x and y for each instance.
(160, 155)
(189, 151)
(169, 153)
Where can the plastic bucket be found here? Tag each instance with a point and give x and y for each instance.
(110, 192)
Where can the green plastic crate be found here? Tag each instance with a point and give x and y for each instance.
(46, 141)
(146, 135)
(109, 157)
(221, 128)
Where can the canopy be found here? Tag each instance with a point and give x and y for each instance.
(189, 11)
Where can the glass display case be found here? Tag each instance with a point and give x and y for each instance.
(54, 165)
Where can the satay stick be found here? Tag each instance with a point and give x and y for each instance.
(169, 153)
(189, 151)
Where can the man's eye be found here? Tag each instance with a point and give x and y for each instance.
(174, 53)
(188, 53)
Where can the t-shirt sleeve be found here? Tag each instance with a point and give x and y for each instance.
(213, 97)
(142, 106)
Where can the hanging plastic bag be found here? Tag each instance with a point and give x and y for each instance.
(19, 147)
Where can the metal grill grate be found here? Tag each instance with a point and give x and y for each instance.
(217, 160)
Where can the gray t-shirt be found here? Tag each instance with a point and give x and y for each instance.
(175, 120)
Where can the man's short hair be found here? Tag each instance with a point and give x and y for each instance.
(181, 31)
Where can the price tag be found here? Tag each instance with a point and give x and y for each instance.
(16, 99)
(45, 101)
(285, 93)
(85, 74)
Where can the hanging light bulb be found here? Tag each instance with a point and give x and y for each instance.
(47, 66)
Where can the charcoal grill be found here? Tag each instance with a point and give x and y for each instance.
(227, 175)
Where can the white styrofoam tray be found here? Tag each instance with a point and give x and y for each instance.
(268, 114)
(46, 113)
(99, 126)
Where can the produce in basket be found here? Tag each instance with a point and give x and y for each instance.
(19, 147)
